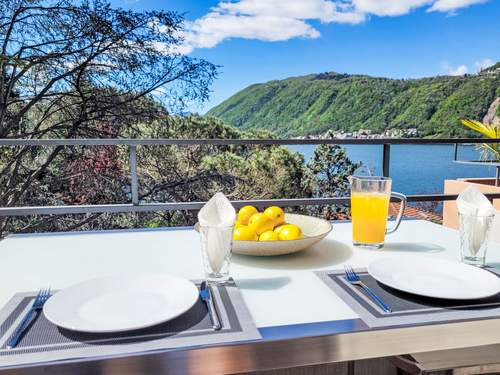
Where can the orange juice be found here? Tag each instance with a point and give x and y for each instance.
(369, 217)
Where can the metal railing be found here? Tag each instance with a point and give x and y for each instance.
(136, 205)
(488, 163)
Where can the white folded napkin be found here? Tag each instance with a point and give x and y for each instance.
(472, 202)
(216, 214)
(475, 208)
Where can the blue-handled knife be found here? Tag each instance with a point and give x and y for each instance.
(206, 296)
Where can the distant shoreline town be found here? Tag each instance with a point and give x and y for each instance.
(364, 134)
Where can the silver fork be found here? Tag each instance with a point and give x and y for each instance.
(354, 279)
(42, 297)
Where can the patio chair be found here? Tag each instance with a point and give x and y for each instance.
(469, 361)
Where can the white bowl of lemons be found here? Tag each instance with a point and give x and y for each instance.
(273, 232)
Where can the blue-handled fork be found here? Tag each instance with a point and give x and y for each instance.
(354, 279)
(42, 297)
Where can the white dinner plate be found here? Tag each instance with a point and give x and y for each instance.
(436, 278)
(121, 303)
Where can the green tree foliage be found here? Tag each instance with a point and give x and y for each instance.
(183, 174)
(314, 104)
(329, 172)
(265, 173)
(194, 173)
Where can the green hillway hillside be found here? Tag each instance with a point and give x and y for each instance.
(316, 103)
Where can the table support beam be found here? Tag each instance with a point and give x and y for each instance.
(261, 356)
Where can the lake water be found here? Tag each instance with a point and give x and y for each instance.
(415, 169)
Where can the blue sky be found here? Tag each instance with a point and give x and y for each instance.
(261, 40)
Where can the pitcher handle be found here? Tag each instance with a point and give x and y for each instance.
(402, 207)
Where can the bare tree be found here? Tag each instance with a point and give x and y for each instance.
(67, 67)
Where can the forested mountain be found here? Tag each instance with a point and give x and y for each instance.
(316, 103)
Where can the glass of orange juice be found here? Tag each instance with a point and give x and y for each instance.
(370, 198)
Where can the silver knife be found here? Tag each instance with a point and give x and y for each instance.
(206, 296)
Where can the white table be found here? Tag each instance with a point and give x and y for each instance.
(301, 319)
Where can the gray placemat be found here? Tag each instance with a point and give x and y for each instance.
(46, 342)
(407, 309)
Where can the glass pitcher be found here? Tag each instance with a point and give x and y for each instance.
(370, 198)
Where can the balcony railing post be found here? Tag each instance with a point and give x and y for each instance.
(386, 160)
(455, 152)
(134, 188)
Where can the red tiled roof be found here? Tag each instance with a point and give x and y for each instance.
(417, 213)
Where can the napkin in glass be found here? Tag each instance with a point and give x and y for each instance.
(217, 215)
(476, 211)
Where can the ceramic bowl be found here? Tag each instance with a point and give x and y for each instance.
(313, 228)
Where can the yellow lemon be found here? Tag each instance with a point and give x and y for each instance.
(246, 213)
(237, 224)
(278, 229)
(244, 233)
(276, 214)
(260, 223)
(269, 236)
(290, 232)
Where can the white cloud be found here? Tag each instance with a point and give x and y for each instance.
(388, 7)
(483, 64)
(281, 20)
(451, 5)
(462, 69)
(400, 7)
(322, 10)
(266, 20)
(455, 71)
(213, 28)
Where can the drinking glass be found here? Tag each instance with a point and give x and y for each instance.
(370, 198)
(475, 231)
(216, 247)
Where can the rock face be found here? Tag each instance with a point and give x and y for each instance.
(492, 116)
